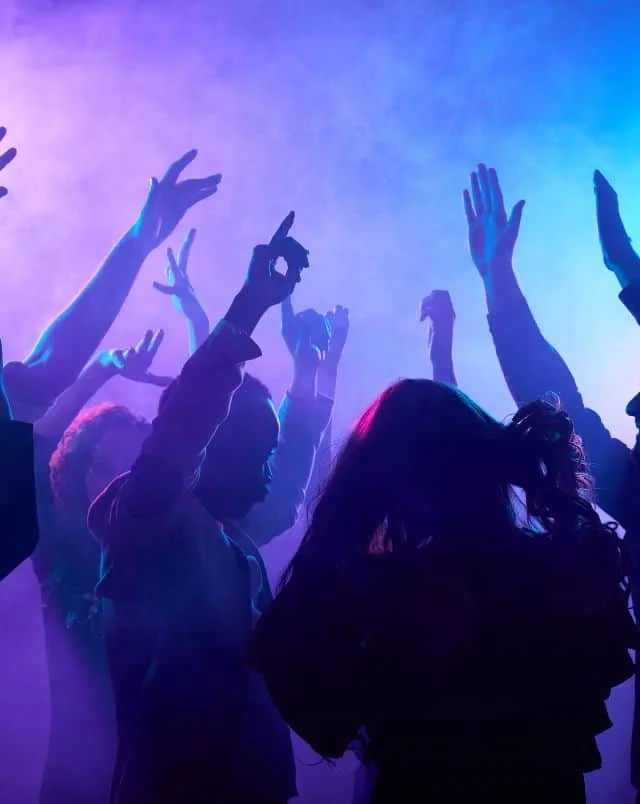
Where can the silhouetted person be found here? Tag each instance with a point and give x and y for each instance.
(18, 510)
(181, 593)
(533, 368)
(471, 656)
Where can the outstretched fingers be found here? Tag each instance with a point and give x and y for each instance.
(495, 193)
(485, 188)
(476, 194)
(154, 344)
(468, 207)
(184, 253)
(175, 169)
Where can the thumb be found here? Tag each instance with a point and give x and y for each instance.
(168, 291)
(515, 218)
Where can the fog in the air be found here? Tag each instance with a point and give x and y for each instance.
(365, 117)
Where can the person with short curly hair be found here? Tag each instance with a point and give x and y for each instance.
(100, 444)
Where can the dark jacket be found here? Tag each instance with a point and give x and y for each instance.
(18, 509)
(533, 368)
(178, 598)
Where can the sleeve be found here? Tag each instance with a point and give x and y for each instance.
(302, 423)
(133, 516)
(308, 649)
(29, 400)
(532, 370)
(18, 507)
(630, 297)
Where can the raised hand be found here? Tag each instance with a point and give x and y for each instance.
(180, 288)
(492, 235)
(264, 285)
(438, 308)
(134, 364)
(8, 156)
(617, 252)
(339, 324)
(169, 200)
(307, 326)
(263, 279)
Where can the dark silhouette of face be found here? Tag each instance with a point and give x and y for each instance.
(633, 410)
(236, 473)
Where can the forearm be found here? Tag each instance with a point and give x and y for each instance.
(327, 379)
(441, 355)
(71, 401)
(322, 464)
(303, 385)
(194, 408)
(630, 297)
(303, 422)
(198, 329)
(74, 335)
(531, 366)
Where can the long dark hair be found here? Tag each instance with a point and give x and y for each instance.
(424, 461)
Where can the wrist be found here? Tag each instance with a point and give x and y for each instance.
(101, 369)
(245, 311)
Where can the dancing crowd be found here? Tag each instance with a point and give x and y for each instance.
(457, 612)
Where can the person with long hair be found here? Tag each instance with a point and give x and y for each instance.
(471, 656)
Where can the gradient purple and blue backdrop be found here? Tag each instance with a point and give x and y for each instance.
(365, 117)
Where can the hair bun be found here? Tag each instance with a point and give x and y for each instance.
(542, 454)
(543, 424)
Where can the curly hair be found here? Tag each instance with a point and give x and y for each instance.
(70, 463)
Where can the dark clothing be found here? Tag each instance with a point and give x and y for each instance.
(532, 368)
(82, 734)
(194, 722)
(18, 508)
(28, 398)
(566, 788)
(502, 683)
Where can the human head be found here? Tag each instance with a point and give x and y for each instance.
(429, 463)
(100, 444)
(236, 472)
(633, 410)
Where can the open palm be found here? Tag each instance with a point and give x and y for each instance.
(492, 235)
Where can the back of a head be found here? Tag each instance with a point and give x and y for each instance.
(75, 454)
(428, 463)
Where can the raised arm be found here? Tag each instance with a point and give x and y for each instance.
(131, 364)
(73, 336)
(531, 366)
(304, 415)
(437, 308)
(193, 409)
(185, 299)
(339, 325)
